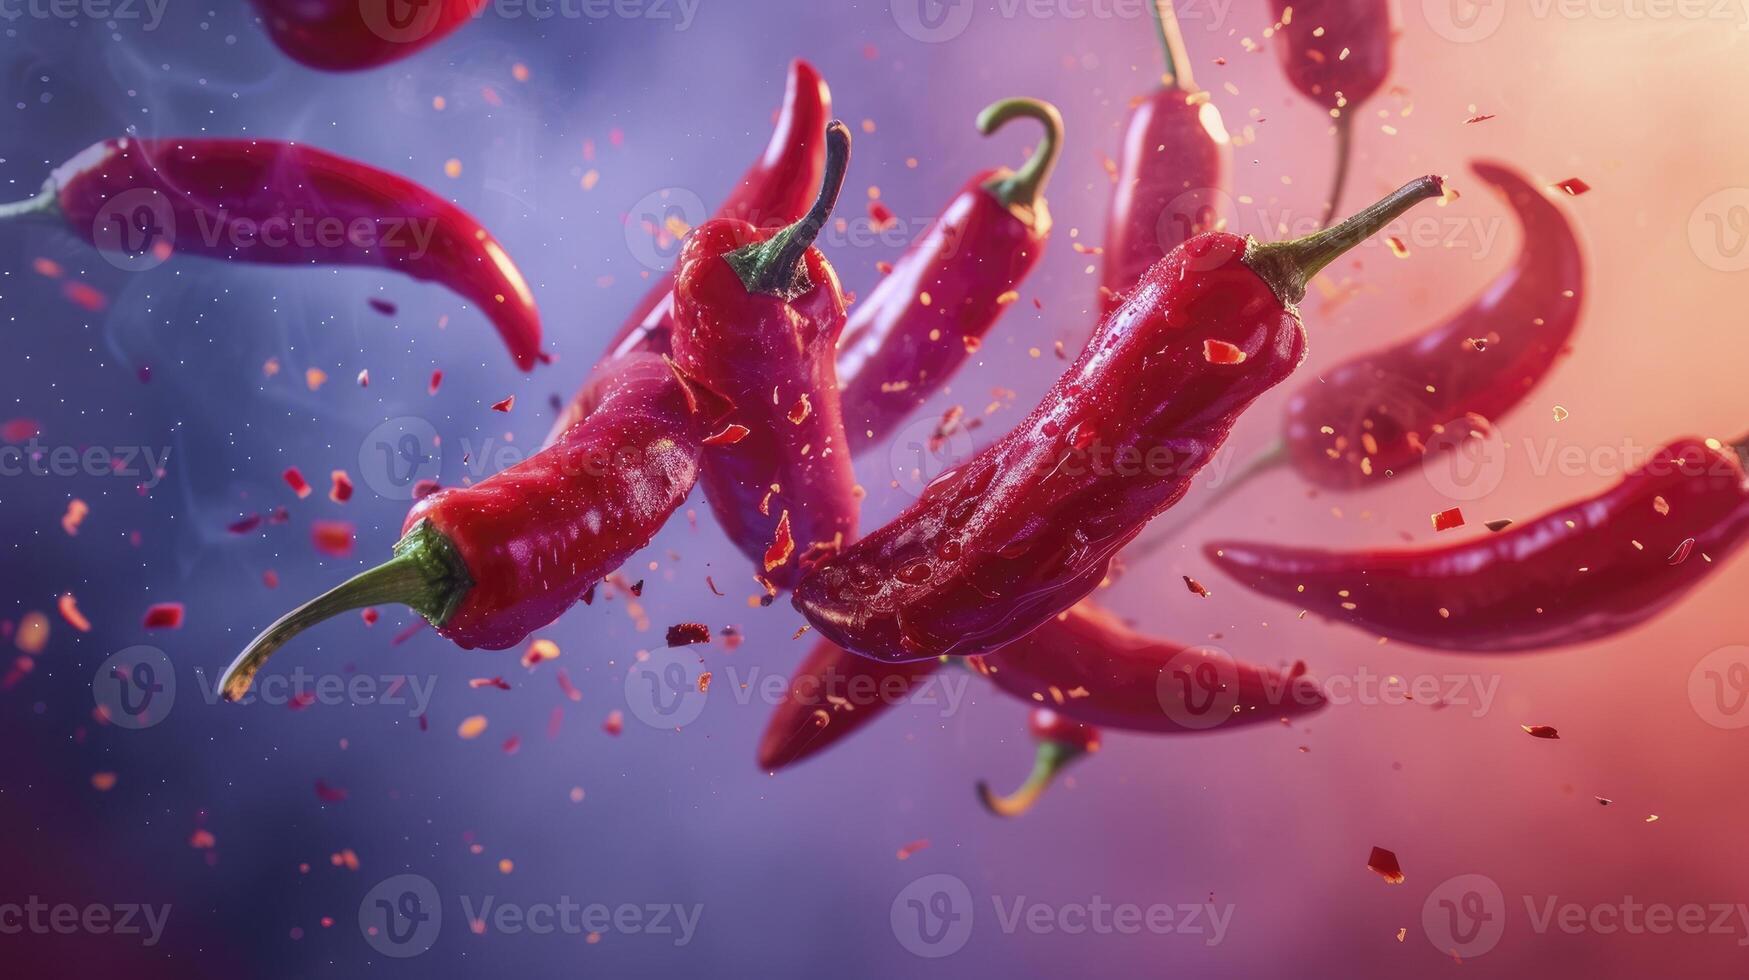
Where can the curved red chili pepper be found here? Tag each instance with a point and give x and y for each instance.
(1026, 528)
(1338, 54)
(1060, 742)
(758, 314)
(489, 563)
(920, 324)
(1588, 570)
(823, 706)
(775, 191)
(1175, 166)
(1375, 415)
(263, 201)
(350, 35)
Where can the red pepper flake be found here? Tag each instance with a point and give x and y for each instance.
(1195, 587)
(730, 435)
(510, 746)
(370, 615)
(75, 515)
(713, 585)
(436, 382)
(1397, 247)
(1573, 186)
(295, 479)
(638, 587)
(1499, 525)
(1540, 731)
(20, 430)
(881, 215)
(47, 268)
(270, 578)
(84, 296)
(554, 720)
(1476, 119)
(798, 413)
(382, 306)
(202, 839)
(1221, 352)
(686, 634)
(615, 723)
(1384, 864)
(912, 848)
(783, 546)
(329, 794)
(883, 267)
(163, 616)
(1682, 552)
(69, 608)
(425, 488)
(498, 682)
(278, 515)
(407, 632)
(243, 525)
(340, 488)
(567, 688)
(505, 405)
(539, 650)
(103, 782)
(364, 378)
(332, 538)
(1446, 520)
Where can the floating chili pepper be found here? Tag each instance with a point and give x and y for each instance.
(1588, 570)
(774, 192)
(1175, 166)
(1026, 528)
(490, 563)
(758, 314)
(264, 201)
(356, 34)
(1060, 742)
(832, 694)
(912, 333)
(1338, 54)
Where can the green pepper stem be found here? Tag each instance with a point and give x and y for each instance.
(1162, 533)
(1051, 759)
(775, 266)
(1172, 45)
(426, 573)
(45, 204)
(1344, 150)
(1289, 266)
(1024, 188)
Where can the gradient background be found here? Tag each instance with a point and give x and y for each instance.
(797, 872)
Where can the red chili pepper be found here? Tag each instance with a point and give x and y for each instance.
(1174, 170)
(832, 694)
(490, 563)
(284, 204)
(1060, 742)
(349, 35)
(912, 333)
(1025, 529)
(1588, 570)
(774, 192)
(1338, 54)
(758, 314)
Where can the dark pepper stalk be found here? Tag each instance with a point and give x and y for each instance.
(1028, 527)
(201, 196)
(758, 314)
(1060, 742)
(490, 563)
(909, 337)
(1591, 569)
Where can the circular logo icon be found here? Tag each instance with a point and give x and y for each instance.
(401, 916)
(1198, 688)
(135, 688)
(135, 230)
(1465, 460)
(1718, 687)
(1718, 230)
(662, 689)
(932, 916)
(1465, 916)
(932, 21)
(401, 21)
(1464, 21)
(922, 450)
(659, 221)
(1191, 213)
(396, 455)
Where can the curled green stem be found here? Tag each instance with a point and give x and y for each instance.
(1172, 45)
(45, 204)
(775, 267)
(1024, 188)
(426, 573)
(1289, 266)
(1052, 758)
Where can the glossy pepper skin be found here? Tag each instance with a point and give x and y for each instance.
(1175, 167)
(489, 563)
(914, 331)
(758, 315)
(352, 35)
(1391, 409)
(273, 203)
(1026, 528)
(1591, 569)
(833, 694)
(775, 191)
